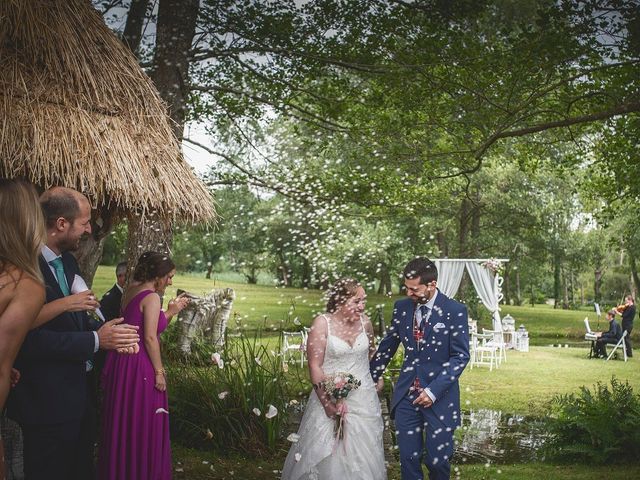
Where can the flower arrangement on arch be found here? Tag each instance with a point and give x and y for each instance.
(493, 264)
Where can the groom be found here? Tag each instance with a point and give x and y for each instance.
(426, 400)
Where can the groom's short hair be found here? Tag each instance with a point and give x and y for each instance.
(423, 268)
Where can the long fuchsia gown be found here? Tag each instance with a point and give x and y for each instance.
(135, 437)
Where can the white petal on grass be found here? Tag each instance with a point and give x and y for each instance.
(161, 410)
(273, 411)
(222, 395)
(257, 412)
(293, 437)
(258, 361)
(217, 359)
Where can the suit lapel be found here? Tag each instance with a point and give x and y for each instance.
(69, 270)
(411, 312)
(49, 278)
(70, 274)
(435, 313)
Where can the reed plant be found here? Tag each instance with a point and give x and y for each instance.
(236, 402)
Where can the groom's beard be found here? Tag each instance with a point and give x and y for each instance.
(420, 300)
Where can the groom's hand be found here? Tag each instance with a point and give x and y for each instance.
(423, 400)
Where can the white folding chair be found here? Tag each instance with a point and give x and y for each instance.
(485, 352)
(622, 345)
(498, 342)
(296, 342)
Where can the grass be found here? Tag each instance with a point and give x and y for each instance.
(196, 465)
(527, 380)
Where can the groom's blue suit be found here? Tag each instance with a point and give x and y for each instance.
(437, 361)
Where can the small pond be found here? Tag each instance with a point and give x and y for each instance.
(497, 437)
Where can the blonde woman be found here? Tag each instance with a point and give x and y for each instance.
(22, 234)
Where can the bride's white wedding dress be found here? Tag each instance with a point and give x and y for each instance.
(360, 456)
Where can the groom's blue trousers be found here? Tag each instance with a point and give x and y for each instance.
(419, 430)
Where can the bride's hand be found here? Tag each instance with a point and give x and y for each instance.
(330, 409)
(380, 385)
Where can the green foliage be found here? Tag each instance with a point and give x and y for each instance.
(252, 377)
(600, 426)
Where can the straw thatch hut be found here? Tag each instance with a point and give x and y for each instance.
(77, 110)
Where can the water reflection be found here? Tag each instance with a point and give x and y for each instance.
(491, 435)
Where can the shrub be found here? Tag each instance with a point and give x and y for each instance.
(597, 427)
(204, 416)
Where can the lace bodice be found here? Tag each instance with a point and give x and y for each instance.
(339, 356)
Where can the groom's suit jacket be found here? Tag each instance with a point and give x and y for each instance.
(437, 361)
(52, 387)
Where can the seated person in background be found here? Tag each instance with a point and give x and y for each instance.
(110, 303)
(611, 336)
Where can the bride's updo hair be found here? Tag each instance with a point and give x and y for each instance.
(340, 292)
(152, 265)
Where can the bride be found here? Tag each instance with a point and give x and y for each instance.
(340, 341)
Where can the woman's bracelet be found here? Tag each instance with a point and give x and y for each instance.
(161, 371)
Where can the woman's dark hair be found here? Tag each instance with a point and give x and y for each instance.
(152, 265)
(423, 268)
(340, 292)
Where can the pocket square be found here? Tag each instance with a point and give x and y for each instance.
(439, 325)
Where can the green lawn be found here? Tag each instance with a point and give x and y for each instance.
(523, 384)
(196, 465)
(269, 308)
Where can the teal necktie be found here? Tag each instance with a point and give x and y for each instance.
(56, 263)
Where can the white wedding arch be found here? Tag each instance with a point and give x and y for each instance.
(485, 276)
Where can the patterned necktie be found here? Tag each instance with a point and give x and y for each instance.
(56, 263)
(425, 313)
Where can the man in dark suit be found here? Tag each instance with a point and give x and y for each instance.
(50, 401)
(611, 336)
(110, 302)
(628, 314)
(434, 331)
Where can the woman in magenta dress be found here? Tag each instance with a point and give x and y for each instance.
(135, 436)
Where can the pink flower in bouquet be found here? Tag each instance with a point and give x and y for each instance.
(339, 382)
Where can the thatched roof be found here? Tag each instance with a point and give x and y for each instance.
(77, 110)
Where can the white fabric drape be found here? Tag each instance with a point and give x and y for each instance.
(486, 284)
(449, 276)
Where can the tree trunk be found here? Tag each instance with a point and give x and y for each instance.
(556, 281)
(476, 214)
(133, 28)
(90, 252)
(634, 274)
(443, 246)
(174, 34)
(518, 294)
(463, 232)
(597, 285)
(209, 270)
(565, 297)
(175, 31)
(306, 272)
(572, 288)
(146, 233)
(385, 280)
